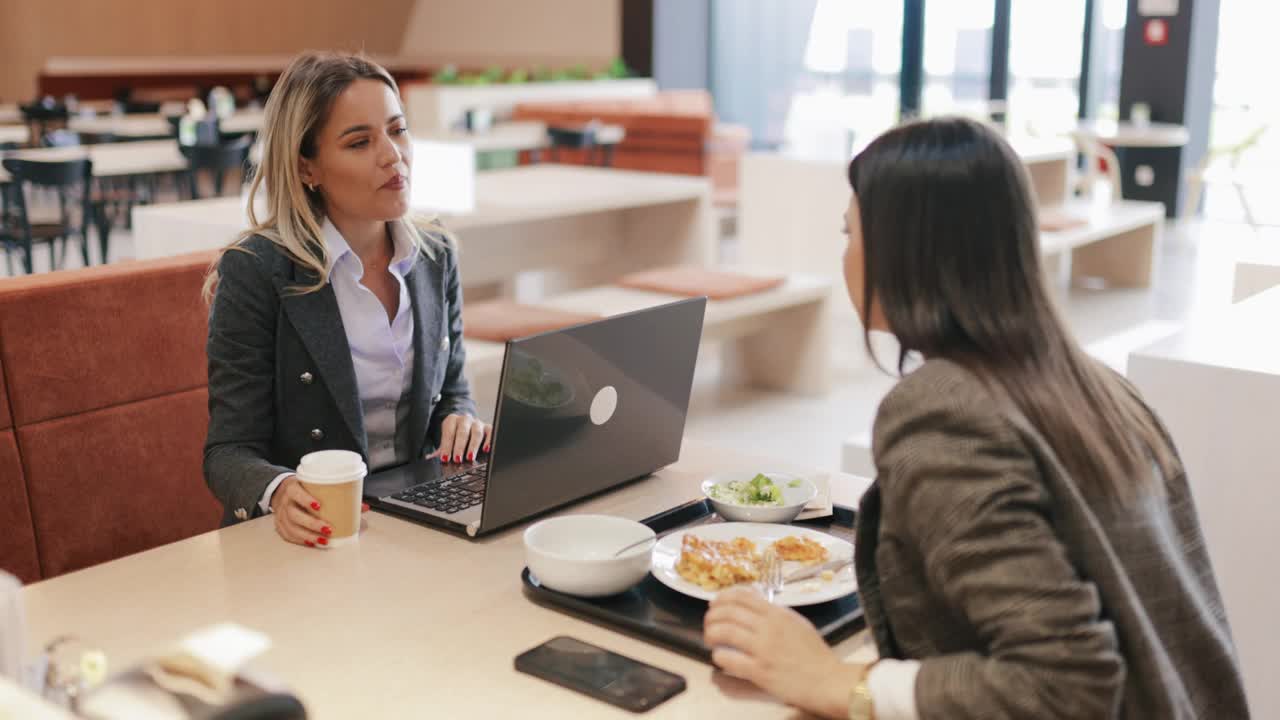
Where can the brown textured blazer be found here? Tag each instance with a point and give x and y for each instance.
(1023, 597)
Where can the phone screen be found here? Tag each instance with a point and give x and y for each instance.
(602, 674)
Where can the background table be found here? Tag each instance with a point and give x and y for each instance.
(408, 622)
(156, 125)
(1127, 134)
(1216, 386)
(576, 225)
(112, 159)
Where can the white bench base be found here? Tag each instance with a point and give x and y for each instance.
(776, 340)
(1117, 246)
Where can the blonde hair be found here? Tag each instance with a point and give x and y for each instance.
(298, 107)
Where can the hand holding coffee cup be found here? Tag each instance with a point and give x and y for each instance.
(320, 506)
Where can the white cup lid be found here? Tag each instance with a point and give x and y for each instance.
(331, 466)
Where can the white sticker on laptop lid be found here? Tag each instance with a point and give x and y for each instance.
(604, 405)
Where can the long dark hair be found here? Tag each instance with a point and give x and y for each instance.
(950, 246)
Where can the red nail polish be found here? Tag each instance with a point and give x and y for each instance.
(364, 507)
(457, 458)
(486, 448)
(326, 530)
(471, 457)
(315, 506)
(310, 544)
(323, 541)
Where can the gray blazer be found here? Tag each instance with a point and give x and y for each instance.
(281, 380)
(1023, 598)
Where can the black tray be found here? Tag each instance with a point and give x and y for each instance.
(656, 613)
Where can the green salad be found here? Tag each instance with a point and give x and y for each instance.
(760, 490)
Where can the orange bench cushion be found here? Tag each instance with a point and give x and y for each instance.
(17, 534)
(696, 282)
(89, 339)
(502, 320)
(113, 482)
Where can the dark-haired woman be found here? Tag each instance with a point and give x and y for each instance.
(1030, 548)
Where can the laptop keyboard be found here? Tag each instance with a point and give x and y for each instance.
(451, 495)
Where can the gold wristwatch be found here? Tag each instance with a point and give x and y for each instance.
(860, 705)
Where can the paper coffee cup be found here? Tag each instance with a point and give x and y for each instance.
(336, 479)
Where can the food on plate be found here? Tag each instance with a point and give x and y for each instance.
(717, 564)
(828, 575)
(795, 483)
(760, 490)
(801, 550)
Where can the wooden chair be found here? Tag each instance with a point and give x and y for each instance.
(1223, 164)
(20, 228)
(583, 138)
(217, 159)
(43, 116)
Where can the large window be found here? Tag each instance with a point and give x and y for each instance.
(1046, 42)
(1110, 56)
(957, 57)
(816, 78)
(822, 77)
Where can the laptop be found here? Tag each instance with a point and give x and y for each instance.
(580, 411)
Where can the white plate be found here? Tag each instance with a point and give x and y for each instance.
(802, 592)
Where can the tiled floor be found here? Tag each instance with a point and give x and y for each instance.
(1194, 276)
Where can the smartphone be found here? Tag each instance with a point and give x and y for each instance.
(601, 674)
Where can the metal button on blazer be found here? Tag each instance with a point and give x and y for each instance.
(444, 343)
(306, 378)
(242, 514)
(436, 399)
(317, 434)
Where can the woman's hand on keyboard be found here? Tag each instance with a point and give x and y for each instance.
(463, 438)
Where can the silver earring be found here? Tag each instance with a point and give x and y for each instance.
(312, 188)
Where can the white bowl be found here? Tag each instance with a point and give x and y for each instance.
(574, 554)
(794, 498)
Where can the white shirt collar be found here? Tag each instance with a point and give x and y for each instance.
(403, 255)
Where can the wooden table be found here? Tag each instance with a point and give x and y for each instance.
(1134, 135)
(14, 134)
(580, 226)
(112, 159)
(426, 623)
(156, 125)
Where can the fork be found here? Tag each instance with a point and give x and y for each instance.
(771, 574)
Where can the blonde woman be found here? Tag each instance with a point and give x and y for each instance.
(336, 321)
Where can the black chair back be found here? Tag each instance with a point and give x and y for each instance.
(44, 112)
(223, 156)
(207, 132)
(579, 138)
(62, 138)
(71, 179)
(48, 173)
(134, 107)
(216, 159)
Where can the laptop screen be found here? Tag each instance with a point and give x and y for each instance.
(585, 409)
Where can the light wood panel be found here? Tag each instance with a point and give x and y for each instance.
(32, 32)
(478, 33)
